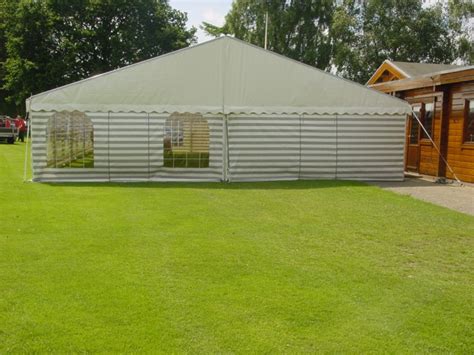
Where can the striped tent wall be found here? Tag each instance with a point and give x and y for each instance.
(129, 141)
(370, 147)
(263, 147)
(316, 147)
(129, 147)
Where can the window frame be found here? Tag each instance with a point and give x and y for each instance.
(467, 108)
(423, 119)
(421, 105)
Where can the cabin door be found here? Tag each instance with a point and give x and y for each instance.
(413, 145)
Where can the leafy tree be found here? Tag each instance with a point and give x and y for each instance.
(364, 36)
(461, 14)
(34, 62)
(55, 42)
(297, 28)
(6, 7)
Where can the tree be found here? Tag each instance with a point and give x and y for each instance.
(461, 14)
(6, 7)
(364, 36)
(297, 28)
(33, 60)
(55, 42)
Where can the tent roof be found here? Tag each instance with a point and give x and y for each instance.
(224, 75)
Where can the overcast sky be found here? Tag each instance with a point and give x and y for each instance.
(212, 11)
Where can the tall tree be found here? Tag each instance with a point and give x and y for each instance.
(55, 42)
(34, 61)
(461, 15)
(297, 28)
(6, 7)
(364, 36)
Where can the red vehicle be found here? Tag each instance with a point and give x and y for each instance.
(8, 131)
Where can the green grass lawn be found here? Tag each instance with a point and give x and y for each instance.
(252, 267)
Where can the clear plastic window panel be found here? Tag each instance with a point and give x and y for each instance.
(186, 141)
(70, 139)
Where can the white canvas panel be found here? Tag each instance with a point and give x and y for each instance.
(222, 76)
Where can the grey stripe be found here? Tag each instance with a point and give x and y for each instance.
(260, 148)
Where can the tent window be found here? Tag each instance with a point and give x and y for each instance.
(70, 138)
(186, 142)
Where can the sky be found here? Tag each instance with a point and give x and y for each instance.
(212, 11)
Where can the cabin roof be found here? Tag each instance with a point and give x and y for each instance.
(415, 69)
(405, 70)
(454, 75)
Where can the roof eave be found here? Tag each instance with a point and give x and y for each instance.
(444, 77)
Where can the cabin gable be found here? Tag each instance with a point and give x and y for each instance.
(385, 73)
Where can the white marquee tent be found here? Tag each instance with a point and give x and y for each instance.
(221, 110)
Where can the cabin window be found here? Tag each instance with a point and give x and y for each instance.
(70, 141)
(428, 119)
(469, 121)
(186, 142)
(414, 127)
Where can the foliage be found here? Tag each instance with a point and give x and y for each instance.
(6, 7)
(279, 267)
(461, 14)
(48, 43)
(353, 39)
(401, 30)
(54, 42)
(297, 29)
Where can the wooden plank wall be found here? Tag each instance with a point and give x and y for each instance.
(428, 153)
(460, 156)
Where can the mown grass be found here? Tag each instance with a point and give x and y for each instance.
(256, 267)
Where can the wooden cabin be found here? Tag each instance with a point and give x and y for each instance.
(442, 96)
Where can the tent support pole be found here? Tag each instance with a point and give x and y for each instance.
(27, 141)
(266, 30)
(337, 154)
(148, 141)
(108, 144)
(299, 157)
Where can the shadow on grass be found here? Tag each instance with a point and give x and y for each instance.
(267, 185)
